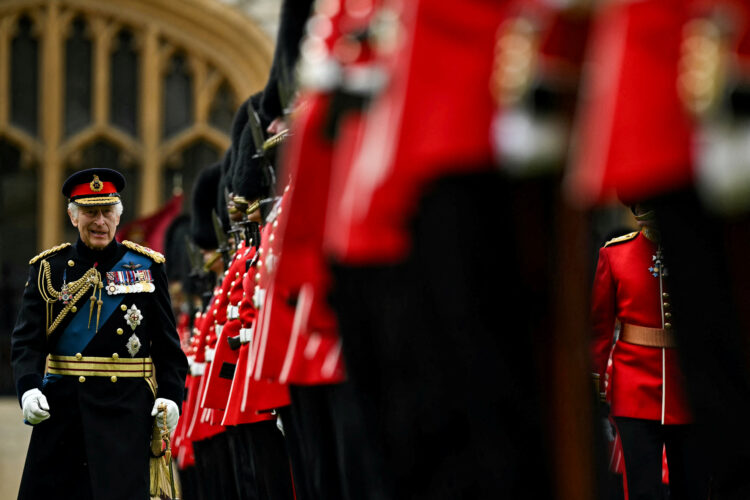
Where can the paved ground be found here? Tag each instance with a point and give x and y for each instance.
(14, 439)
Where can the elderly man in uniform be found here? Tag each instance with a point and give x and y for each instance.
(95, 354)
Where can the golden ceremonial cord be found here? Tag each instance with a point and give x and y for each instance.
(76, 290)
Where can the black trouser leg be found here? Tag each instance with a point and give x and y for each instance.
(440, 351)
(272, 467)
(643, 442)
(224, 467)
(294, 439)
(642, 446)
(188, 484)
(709, 273)
(214, 465)
(312, 430)
(246, 484)
(205, 478)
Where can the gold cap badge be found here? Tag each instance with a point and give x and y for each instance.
(96, 185)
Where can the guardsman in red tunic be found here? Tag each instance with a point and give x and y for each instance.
(646, 386)
(420, 282)
(663, 120)
(213, 461)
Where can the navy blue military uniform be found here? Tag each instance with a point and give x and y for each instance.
(97, 335)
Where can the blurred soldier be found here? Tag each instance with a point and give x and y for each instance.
(646, 388)
(665, 120)
(209, 442)
(98, 313)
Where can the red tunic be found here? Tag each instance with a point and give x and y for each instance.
(182, 446)
(272, 326)
(432, 119)
(646, 382)
(217, 388)
(198, 427)
(636, 138)
(313, 353)
(636, 133)
(235, 414)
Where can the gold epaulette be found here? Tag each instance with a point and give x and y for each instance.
(622, 239)
(49, 251)
(152, 254)
(275, 140)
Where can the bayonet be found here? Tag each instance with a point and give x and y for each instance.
(196, 262)
(221, 238)
(256, 129)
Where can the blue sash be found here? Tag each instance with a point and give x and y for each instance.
(78, 334)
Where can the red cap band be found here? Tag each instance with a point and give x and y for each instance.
(85, 190)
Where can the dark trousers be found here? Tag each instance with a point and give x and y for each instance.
(189, 484)
(215, 468)
(643, 442)
(310, 437)
(709, 273)
(272, 468)
(442, 399)
(246, 482)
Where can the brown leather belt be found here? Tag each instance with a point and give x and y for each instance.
(646, 336)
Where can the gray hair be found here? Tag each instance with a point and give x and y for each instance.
(73, 208)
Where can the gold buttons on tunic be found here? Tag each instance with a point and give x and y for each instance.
(115, 356)
(119, 331)
(74, 309)
(665, 295)
(123, 307)
(667, 315)
(113, 378)
(71, 263)
(79, 355)
(666, 304)
(667, 325)
(82, 379)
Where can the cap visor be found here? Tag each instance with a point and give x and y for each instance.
(99, 200)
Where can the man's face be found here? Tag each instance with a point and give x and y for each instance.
(96, 225)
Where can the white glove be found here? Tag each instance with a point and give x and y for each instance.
(173, 413)
(35, 406)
